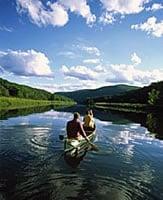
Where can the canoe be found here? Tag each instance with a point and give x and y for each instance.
(75, 147)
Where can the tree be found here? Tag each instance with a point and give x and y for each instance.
(3, 91)
(153, 96)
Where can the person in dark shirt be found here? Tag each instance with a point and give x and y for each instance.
(75, 128)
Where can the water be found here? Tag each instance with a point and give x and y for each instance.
(127, 167)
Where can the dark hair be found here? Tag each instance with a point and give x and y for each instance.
(87, 112)
(76, 115)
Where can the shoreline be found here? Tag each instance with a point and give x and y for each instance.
(11, 103)
(128, 107)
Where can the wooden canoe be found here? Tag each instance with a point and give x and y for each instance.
(74, 147)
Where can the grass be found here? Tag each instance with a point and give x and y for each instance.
(15, 103)
(128, 107)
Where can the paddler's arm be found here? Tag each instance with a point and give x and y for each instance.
(67, 128)
(83, 132)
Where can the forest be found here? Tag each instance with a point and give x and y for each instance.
(8, 89)
(152, 94)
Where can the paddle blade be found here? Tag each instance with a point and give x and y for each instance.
(61, 137)
(94, 147)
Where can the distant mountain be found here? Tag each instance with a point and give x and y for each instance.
(81, 96)
(141, 95)
(10, 89)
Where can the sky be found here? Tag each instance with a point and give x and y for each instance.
(66, 45)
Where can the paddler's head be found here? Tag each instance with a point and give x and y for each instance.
(76, 115)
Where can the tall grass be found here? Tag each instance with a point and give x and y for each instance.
(14, 103)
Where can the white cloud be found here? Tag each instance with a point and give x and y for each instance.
(68, 54)
(154, 7)
(1, 70)
(25, 63)
(80, 7)
(60, 87)
(122, 73)
(135, 59)
(54, 13)
(100, 69)
(91, 61)
(79, 72)
(90, 50)
(124, 6)
(151, 26)
(7, 29)
(107, 18)
(83, 84)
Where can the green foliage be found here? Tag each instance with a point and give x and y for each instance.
(153, 96)
(90, 101)
(56, 97)
(81, 96)
(13, 103)
(3, 91)
(9, 89)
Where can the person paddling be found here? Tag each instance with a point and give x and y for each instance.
(75, 128)
(89, 124)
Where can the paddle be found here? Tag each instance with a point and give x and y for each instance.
(61, 137)
(94, 147)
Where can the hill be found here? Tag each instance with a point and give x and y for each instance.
(9, 89)
(152, 94)
(81, 96)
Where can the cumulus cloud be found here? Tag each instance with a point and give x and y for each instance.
(151, 26)
(131, 74)
(154, 7)
(83, 84)
(135, 59)
(55, 13)
(91, 61)
(79, 72)
(61, 87)
(124, 6)
(123, 73)
(80, 7)
(100, 69)
(25, 63)
(107, 18)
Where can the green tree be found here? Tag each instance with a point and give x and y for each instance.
(3, 91)
(153, 96)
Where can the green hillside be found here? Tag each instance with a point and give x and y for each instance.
(152, 94)
(81, 96)
(9, 89)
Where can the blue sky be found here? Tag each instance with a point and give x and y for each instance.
(65, 45)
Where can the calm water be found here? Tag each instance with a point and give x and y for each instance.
(128, 166)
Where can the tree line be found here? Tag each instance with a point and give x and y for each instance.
(9, 89)
(152, 94)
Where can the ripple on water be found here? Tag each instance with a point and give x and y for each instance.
(127, 167)
(111, 188)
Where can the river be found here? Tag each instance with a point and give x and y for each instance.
(128, 165)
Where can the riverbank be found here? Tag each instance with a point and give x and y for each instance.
(128, 107)
(11, 103)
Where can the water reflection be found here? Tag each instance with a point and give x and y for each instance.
(5, 114)
(74, 161)
(152, 121)
(128, 165)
